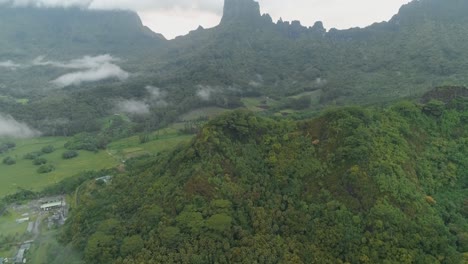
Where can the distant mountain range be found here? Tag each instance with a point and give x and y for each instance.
(247, 54)
(62, 33)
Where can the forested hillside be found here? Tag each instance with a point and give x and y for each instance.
(354, 185)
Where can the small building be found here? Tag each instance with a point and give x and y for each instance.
(53, 205)
(105, 179)
(22, 220)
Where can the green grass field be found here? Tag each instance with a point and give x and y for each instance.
(24, 174)
(162, 140)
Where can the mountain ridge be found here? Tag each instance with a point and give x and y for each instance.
(249, 55)
(60, 31)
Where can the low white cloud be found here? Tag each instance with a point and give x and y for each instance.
(87, 62)
(133, 107)
(89, 69)
(102, 72)
(47, 3)
(9, 65)
(9, 127)
(255, 84)
(157, 96)
(205, 92)
(320, 82)
(202, 5)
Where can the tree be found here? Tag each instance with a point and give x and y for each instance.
(219, 222)
(131, 245)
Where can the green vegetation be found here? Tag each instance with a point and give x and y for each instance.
(157, 142)
(29, 154)
(48, 250)
(11, 232)
(354, 185)
(33, 155)
(39, 161)
(70, 154)
(45, 169)
(24, 175)
(48, 149)
(229, 66)
(9, 161)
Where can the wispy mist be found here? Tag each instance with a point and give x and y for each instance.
(9, 65)
(213, 6)
(157, 96)
(91, 69)
(87, 62)
(103, 72)
(319, 82)
(205, 92)
(133, 107)
(47, 3)
(9, 127)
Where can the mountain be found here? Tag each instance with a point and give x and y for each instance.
(293, 184)
(247, 55)
(354, 185)
(71, 33)
(245, 11)
(421, 47)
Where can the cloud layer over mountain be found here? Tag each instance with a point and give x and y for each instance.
(102, 72)
(204, 5)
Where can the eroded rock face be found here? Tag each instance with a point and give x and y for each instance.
(240, 11)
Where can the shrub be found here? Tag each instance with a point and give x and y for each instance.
(39, 161)
(33, 155)
(9, 161)
(6, 146)
(45, 169)
(70, 154)
(48, 149)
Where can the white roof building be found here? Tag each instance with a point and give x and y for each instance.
(48, 206)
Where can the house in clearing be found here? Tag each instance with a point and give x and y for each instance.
(53, 205)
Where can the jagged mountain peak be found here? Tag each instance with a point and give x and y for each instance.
(240, 11)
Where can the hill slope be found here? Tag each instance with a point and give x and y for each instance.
(355, 185)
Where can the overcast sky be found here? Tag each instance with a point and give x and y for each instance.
(178, 17)
(340, 14)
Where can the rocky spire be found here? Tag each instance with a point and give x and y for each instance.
(240, 11)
